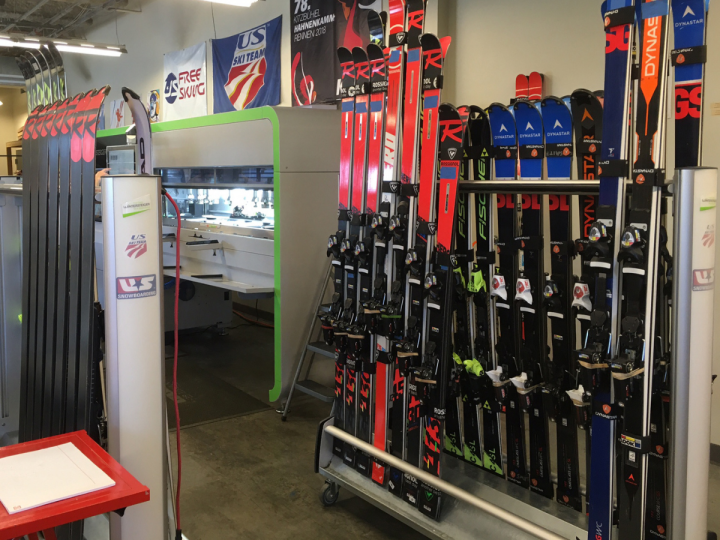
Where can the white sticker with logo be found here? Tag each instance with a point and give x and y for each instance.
(136, 206)
(136, 287)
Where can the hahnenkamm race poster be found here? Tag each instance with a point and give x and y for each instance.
(246, 68)
(313, 51)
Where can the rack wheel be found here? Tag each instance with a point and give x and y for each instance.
(330, 494)
(712, 536)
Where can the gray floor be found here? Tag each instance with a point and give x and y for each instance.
(251, 477)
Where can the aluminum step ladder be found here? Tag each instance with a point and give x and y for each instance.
(314, 345)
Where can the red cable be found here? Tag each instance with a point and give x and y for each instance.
(175, 364)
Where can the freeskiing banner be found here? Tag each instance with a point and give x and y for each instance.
(246, 68)
(313, 51)
(185, 83)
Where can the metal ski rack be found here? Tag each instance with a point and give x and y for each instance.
(307, 385)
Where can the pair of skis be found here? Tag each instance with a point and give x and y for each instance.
(44, 74)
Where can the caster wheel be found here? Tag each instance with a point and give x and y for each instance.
(283, 418)
(712, 536)
(330, 495)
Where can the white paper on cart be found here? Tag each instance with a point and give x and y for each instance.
(46, 476)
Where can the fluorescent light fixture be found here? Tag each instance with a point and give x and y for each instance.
(87, 45)
(239, 3)
(88, 50)
(31, 39)
(59, 42)
(23, 44)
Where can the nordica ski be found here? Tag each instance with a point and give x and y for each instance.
(386, 294)
(332, 320)
(476, 385)
(689, 57)
(558, 298)
(532, 339)
(504, 134)
(418, 257)
(536, 86)
(348, 248)
(364, 253)
(593, 393)
(403, 227)
(634, 366)
(522, 87)
(438, 284)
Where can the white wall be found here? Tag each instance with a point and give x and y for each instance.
(166, 26)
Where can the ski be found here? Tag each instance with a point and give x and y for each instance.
(418, 257)
(403, 227)
(688, 57)
(364, 253)
(438, 344)
(504, 138)
(522, 87)
(634, 365)
(476, 385)
(536, 86)
(386, 295)
(332, 319)
(532, 339)
(352, 306)
(592, 397)
(557, 121)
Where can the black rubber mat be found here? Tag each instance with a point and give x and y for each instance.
(203, 397)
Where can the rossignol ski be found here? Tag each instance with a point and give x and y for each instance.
(532, 339)
(354, 334)
(364, 253)
(438, 345)
(386, 290)
(332, 321)
(403, 227)
(418, 257)
(557, 121)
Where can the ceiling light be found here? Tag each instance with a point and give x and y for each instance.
(239, 3)
(0, 102)
(56, 42)
(86, 45)
(31, 39)
(89, 50)
(23, 44)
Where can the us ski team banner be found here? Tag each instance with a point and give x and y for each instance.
(313, 51)
(246, 68)
(185, 83)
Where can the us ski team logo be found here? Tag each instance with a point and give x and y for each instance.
(708, 238)
(136, 287)
(247, 71)
(137, 246)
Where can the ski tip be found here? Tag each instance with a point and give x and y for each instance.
(128, 94)
(344, 55)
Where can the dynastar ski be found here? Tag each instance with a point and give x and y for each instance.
(504, 135)
(386, 295)
(532, 340)
(593, 359)
(558, 298)
(438, 344)
(634, 366)
(688, 57)
(332, 320)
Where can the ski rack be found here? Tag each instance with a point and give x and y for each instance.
(521, 509)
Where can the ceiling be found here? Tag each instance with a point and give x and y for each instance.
(59, 18)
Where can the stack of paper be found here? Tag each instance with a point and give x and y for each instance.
(45, 476)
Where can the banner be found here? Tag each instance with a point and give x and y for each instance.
(313, 51)
(351, 24)
(246, 68)
(185, 83)
(117, 115)
(153, 106)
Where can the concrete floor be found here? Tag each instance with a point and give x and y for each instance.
(251, 477)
